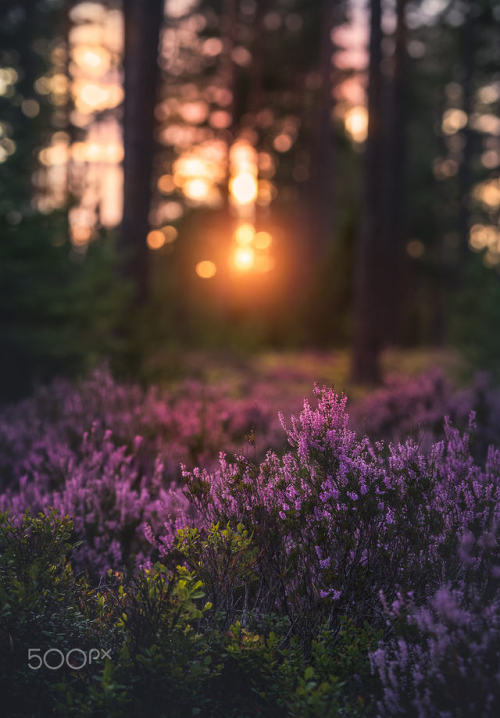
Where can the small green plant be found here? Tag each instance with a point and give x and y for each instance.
(47, 616)
(224, 558)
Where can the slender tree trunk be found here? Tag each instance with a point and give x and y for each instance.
(439, 279)
(24, 125)
(70, 105)
(256, 90)
(256, 97)
(229, 76)
(317, 213)
(142, 27)
(464, 174)
(229, 29)
(321, 190)
(369, 270)
(396, 266)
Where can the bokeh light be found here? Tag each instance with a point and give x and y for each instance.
(170, 233)
(206, 269)
(356, 123)
(243, 258)
(415, 248)
(244, 188)
(263, 240)
(488, 193)
(197, 189)
(453, 121)
(244, 234)
(155, 239)
(282, 143)
(166, 184)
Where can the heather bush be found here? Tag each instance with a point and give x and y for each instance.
(335, 575)
(418, 407)
(104, 493)
(335, 520)
(108, 455)
(444, 655)
(189, 425)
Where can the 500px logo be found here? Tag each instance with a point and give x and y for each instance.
(75, 658)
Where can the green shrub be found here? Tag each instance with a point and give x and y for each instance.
(170, 653)
(43, 606)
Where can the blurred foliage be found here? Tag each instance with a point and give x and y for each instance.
(59, 311)
(476, 318)
(62, 310)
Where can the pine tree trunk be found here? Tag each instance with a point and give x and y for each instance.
(396, 265)
(321, 190)
(229, 75)
(142, 28)
(464, 175)
(369, 270)
(256, 89)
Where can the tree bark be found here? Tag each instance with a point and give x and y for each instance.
(142, 29)
(229, 29)
(396, 265)
(369, 270)
(464, 173)
(321, 190)
(256, 90)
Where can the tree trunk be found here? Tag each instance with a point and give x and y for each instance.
(24, 130)
(142, 28)
(321, 191)
(256, 89)
(464, 175)
(369, 270)
(229, 29)
(396, 265)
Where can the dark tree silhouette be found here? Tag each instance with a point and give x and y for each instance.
(229, 29)
(256, 88)
(229, 73)
(321, 191)
(369, 271)
(142, 27)
(465, 175)
(395, 262)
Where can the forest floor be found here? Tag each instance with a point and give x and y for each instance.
(283, 376)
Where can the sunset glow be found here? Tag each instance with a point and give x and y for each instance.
(244, 188)
(356, 123)
(243, 258)
(197, 189)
